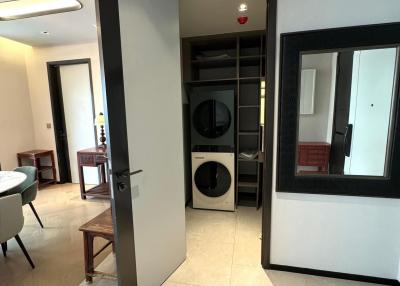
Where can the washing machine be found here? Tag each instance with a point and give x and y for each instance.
(212, 117)
(213, 180)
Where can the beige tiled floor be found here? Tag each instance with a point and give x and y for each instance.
(57, 250)
(223, 248)
(108, 265)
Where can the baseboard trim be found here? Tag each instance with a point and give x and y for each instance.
(338, 275)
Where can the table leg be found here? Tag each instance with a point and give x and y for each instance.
(53, 164)
(36, 163)
(19, 162)
(88, 253)
(82, 182)
(4, 248)
(103, 173)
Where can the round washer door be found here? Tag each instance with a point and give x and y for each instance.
(212, 118)
(212, 179)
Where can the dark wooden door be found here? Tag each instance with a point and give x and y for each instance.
(342, 109)
(60, 129)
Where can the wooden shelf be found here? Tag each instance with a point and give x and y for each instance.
(45, 168)
(248, 133)
(247, 199)
(247, 181)
(251, 57)
(249, 106)
(215, 63)
(250, 60)
(243, 70)
(33, 158)
(212, 81)
(248, 160)
(224, 80)
(100, 191)
(253, 79)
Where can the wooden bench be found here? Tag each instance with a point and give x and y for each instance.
(100, 226)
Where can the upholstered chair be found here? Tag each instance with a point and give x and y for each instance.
(28, 189)
(11, 223)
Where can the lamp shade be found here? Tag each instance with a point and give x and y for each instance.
(100, 119)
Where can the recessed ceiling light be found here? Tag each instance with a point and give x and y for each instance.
(44, 33)
(242, 7)
(11, 10)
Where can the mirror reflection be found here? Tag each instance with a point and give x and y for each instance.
(345, 112)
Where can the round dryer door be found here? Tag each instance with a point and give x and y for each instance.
(212, 179)
(211, 118)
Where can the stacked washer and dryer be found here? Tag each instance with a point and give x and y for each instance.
(213, 149)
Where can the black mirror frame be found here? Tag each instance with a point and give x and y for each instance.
(292, 46)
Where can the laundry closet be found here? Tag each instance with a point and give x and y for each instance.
(224, 90)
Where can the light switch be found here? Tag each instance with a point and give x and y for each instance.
(48, 125)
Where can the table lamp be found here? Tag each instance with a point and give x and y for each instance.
(100, 122)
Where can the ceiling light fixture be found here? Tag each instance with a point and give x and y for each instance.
(242, 7)
(44, 33)
(17, 9)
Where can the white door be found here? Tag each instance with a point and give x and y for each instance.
(370, 110)
(152, 86)
(78, 110)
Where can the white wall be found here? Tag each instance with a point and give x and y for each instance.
(16, 126)
(78, 112)
(345, 234)
(314, 127)
(36, 60)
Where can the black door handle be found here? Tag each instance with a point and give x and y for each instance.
(121, 186)
(126, 173)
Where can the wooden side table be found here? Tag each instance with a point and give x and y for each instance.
(100, 226)
(34, 157)
(314, 154)
(94, 157)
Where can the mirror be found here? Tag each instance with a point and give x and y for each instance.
(346, 111)
(339, 112)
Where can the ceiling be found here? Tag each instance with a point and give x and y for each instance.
(197, 17)
(207, 17)
(65, 28)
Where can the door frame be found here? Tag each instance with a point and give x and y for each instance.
(109, 37)
(269, 128)
(58, 114)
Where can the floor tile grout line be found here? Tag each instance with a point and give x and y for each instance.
(234, 244)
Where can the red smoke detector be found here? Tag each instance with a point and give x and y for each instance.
(242, 16)
(242, 20)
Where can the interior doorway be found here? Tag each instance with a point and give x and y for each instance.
(72, 101)
(145, 132)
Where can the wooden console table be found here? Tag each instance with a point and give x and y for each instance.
(315, 154)
(94, 157)
(100, 226)
(34, 157)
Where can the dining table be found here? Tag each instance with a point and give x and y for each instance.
(10, 179)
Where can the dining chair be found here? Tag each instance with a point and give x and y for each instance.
(28, 189)
(11, 223)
